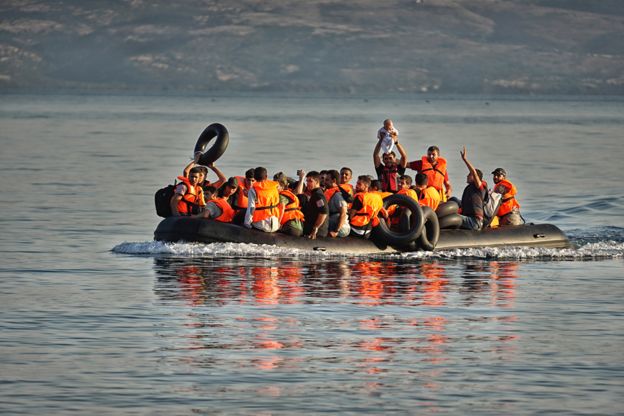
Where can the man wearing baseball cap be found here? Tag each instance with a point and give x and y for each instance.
(509, 210)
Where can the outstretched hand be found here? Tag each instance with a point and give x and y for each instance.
(463, 153)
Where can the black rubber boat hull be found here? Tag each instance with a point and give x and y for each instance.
(188, 229)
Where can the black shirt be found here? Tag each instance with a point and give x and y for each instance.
(315, 206)
(472, 201)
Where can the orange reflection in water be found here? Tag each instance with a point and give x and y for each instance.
(503, 284)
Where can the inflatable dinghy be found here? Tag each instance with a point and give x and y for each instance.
(418, 228)
(188, 229)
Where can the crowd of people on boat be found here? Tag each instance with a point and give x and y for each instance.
(325, 203)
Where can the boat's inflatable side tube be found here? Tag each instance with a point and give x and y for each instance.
(217, 149)
(402, 239)
(447, 208)
(431, 232)
(451, 221)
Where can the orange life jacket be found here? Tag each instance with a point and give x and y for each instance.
(240, 199)
(292, 210)
(227, 212)
(435, 175)
(409, 192)
(347, 187)
(371, 205)
(192, 200)
(267, 200)
(508, 203)
(382, 194)
(429, 197)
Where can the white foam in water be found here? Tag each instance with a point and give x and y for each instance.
(587, 251)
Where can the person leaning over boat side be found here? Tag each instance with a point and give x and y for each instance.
(338, 219)
(315, 210)
(238, 201)
(365, 208)
(291, 217)
(390, 169)
(509, 210)
(434, 167)
(262, 203)
(188, 196)
(427, 195)
(217, 206)
(345, 178)
(203, 182)
(471, 207)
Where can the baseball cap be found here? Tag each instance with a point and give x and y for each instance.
(499, 171)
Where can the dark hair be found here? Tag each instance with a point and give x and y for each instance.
(479, 173)
(365, 178)
(375, 183)
(407, 178)
(210, 189)
(345, 169)
(433, 148)
(197, 169)
(260, 173)
(333, 173)
(421, 179)
(249, 173)
(314, 175)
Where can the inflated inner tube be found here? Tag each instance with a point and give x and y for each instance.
(402, 238)
(451, 221)
(431, 232)
(447, 208)
(218, 148)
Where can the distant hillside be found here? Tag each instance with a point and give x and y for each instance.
(362, 47)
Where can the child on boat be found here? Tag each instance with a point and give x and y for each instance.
(387, 135)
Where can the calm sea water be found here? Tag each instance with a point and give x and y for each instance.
(96, 318)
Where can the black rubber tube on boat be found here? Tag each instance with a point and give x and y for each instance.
(451, 221)
(401, 239)
(218, 148)
(447, 208)
(431, 231)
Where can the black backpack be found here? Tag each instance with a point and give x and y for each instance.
(162, 200)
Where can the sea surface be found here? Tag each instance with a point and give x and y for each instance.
(97, 318)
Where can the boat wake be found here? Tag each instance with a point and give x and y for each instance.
(593, 244)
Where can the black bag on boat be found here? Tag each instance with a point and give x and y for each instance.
(162, 200)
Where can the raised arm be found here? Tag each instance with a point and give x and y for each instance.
(475, 177)
(193, 162)
(403, 160)
(220, 175)
(299, 190)
(376, 158)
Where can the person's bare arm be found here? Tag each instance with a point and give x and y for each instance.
(174, 204)
(341, 221)
(320, 219)
(190, 166)
(473, 171)
(403, 153)
(376, 158)
(220, 174)
(299, 190)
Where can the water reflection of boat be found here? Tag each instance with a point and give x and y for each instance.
(174, 229)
